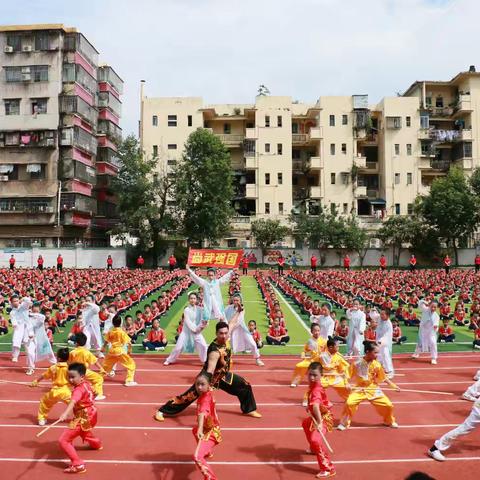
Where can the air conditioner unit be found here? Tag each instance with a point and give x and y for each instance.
(27, 48)
(8, 49)
(3, 178)
(25, 69)
(26, 77)
(375, 243)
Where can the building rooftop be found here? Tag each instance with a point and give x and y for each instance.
(38, 26)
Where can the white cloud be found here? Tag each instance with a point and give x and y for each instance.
(305, 48)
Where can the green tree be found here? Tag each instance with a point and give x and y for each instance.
(475, 181)
(267, 232)
(396, 232)
(355, 238)
(203, 190)
(452, 208)
(142, 199)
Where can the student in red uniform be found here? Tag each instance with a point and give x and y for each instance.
(172, 262)
(346, 262)
(12, 262)
(383, 262)
(140, 262)
(84, 418)
(109, 262)
(76, 329)
(252, 328)
(397, 336)
(61, 315)
(280, 264)
(245, 265)
(319, 419)
(59, 262)
(341, 332)
(3, 325)
(413, 263)
(445, 333)
(370, 332)
(139, 323)
(313, 263)
(277, 335)
(207, 431)
(156, 339)
(477, 263)
(40, 262)
(476, 338)
(447, 261)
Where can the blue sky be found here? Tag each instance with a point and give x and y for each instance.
(222, 50)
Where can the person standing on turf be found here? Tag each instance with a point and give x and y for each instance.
(313, 263)
(109, 262)
(217, 367)
(212, 295)
(59, 262)
(172, 262)
(477, 263)
(427, 334)
(356, 329)
(245, 265)
(346, 262)
(280, 264)
(413, 263)
(383, 262)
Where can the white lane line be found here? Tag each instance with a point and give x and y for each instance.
(295, 314)
(237, 463)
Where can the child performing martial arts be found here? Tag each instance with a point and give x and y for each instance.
(427, 334)
(84, 418)
(356, 329)
(191, 336)
(367, 374)
(336, 369)
(319, 421)
(60, 391)
(19, 320)
(384, 334)
(240, 337)
(207, 432)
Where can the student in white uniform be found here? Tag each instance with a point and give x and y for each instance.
(91, 320)
(427, 334)
(19, 319)
(472, 393)
(240, 337)
(356, 329)
(326, 322)
(384, 339)
(191, 337)
(38, 347)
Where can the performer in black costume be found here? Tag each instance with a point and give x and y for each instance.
(217, 368)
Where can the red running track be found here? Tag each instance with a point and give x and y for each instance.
(272, 447)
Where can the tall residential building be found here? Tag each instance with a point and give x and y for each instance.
(59, 121)
(340, 153)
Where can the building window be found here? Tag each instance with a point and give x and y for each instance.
(172, 146)
(333, 208)
(42, 41)
(267, 179)
(155, 151)
(227, 129)
(280, 178)
(409, 148)
(397, 209)
(231, 242)
(409, 179)
(332, 120)
(295, 127)
(189, 120)
(267, 207)
(332, 178)
(279, 121)
(36, 171)
(12, 106)
(397, 149)
(344, 119)
(267, 120)
(345, 208)
(424, 121)
(408, 121)
(439, 102)
(410, 208)
(397, 179)
(280, 208)
(155, 121)
(279, 149)
(267, 148)
(171, 162)
(39, 106)
(428, 101)
(172, 121)
(344, 148)
(332, 149)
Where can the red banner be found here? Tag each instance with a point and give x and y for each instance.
(214, 258)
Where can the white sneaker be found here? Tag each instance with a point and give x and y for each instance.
(30, 371)
(467, 396)
(162, 349)
(293, 385)
(100, 355)
(259, 363)
(433, 362)
(476, 377)
(415, 355)
(341, 427)
(112, 373)
(100, 397)
(305, 403)
(15, 360)
(436, 455)
(130, 384)
(42, 422)
(157, 349)
(166, 363)
(394, 425)
(477, 346)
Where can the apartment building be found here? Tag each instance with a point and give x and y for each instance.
(60, 108)
(341, 153)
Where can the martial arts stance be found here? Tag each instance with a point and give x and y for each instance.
(356, 329)
(212, 295)
(191, 336)
(240, 337)
(326, 322)
(217, 368)
(384, 339)
(92, 325)
(19, 319)
(427, 334)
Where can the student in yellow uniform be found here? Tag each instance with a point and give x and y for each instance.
(366, 374)
(60, 391)
(118, 340)
(336, 370)
(311, 351)
(80, 354)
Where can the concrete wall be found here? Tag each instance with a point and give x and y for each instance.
(77, 257)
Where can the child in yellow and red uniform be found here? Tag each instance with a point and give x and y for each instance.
(82, 355)
(60, 391)
(336, 370)
(84, 418)
(366, 374)
(207, 432)
(118, 340)
(319, 420)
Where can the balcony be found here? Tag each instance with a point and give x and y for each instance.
(440, 112)
(230, 139)
(110, 130)
(79, 138)
(360, 191)
(463, 105)
(315, 192)
(450, 136)
(424, 134)
(316, 133)
(371, 167)
(299, 138)
(28, 188)
(315, 163)
(251, 163)
(372, 193)
(72, 104)
(442, 165)
(29, 139)
(251, 133)
(107, 100)
(360, 161)
(241, 222)
(107, 74)
(20, 205)
(78, 203)
(75, 219)
(250, 190)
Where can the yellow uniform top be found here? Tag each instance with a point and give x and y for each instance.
(313, 348)
(367, 375)
(334, 364)
(58, 374)
(117, 338)
(82, 355)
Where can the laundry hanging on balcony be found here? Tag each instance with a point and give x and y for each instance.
(6, 168)
(25, 138)
(34, 168)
